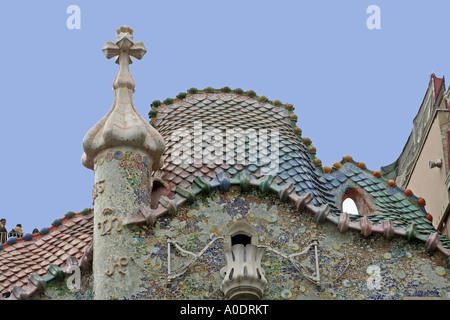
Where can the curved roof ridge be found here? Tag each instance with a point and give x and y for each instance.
(156, 104)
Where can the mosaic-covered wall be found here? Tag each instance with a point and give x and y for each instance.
(351, 266)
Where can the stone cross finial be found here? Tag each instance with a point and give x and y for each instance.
(123, 127)
(123, 48)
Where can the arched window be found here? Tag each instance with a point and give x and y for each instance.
(354, 202)
(349, 206)
(241, 239)
(159, 189)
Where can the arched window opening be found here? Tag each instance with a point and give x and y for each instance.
(349, 206)
(158, 190)
(354, 202)
(241, 239)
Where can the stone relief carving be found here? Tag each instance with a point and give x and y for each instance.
(121, 262)
(101, 225)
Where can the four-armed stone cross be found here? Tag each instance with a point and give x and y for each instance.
(123, 49)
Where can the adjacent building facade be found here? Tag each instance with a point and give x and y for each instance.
(423, 165)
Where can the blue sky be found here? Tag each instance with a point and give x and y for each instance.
(355, 90)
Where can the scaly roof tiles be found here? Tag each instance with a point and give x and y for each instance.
(19, 261)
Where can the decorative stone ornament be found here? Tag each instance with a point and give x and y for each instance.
(243, 275)
(123, 149)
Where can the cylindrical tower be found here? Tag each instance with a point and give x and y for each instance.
(122, 149)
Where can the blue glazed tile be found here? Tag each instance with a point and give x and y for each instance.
(362, 175)
(286, 149)
(284, 175)
(299, 169)
(335, 183)
(356, 170)
(405, 203)
(374, 179)
(362, 183)
(341, 177)
(349, 173)
(399, 196)
(285, 157)
(310, 185)
(294, 163)
(323, 180)
(285, 166)
(315, 202)
(303, 185)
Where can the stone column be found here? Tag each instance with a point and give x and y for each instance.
(122, 149)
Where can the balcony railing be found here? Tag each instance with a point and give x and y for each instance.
(4, 236)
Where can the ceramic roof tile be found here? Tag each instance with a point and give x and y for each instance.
(18, 261)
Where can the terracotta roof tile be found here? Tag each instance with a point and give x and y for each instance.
(41, 271)
(70, 223)
(73, 251)
(59, 253)
(36, 267)
(18, 261)
(56, 232)
(67, 247)
(28, 271)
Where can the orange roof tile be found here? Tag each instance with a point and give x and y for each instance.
(20, 260)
